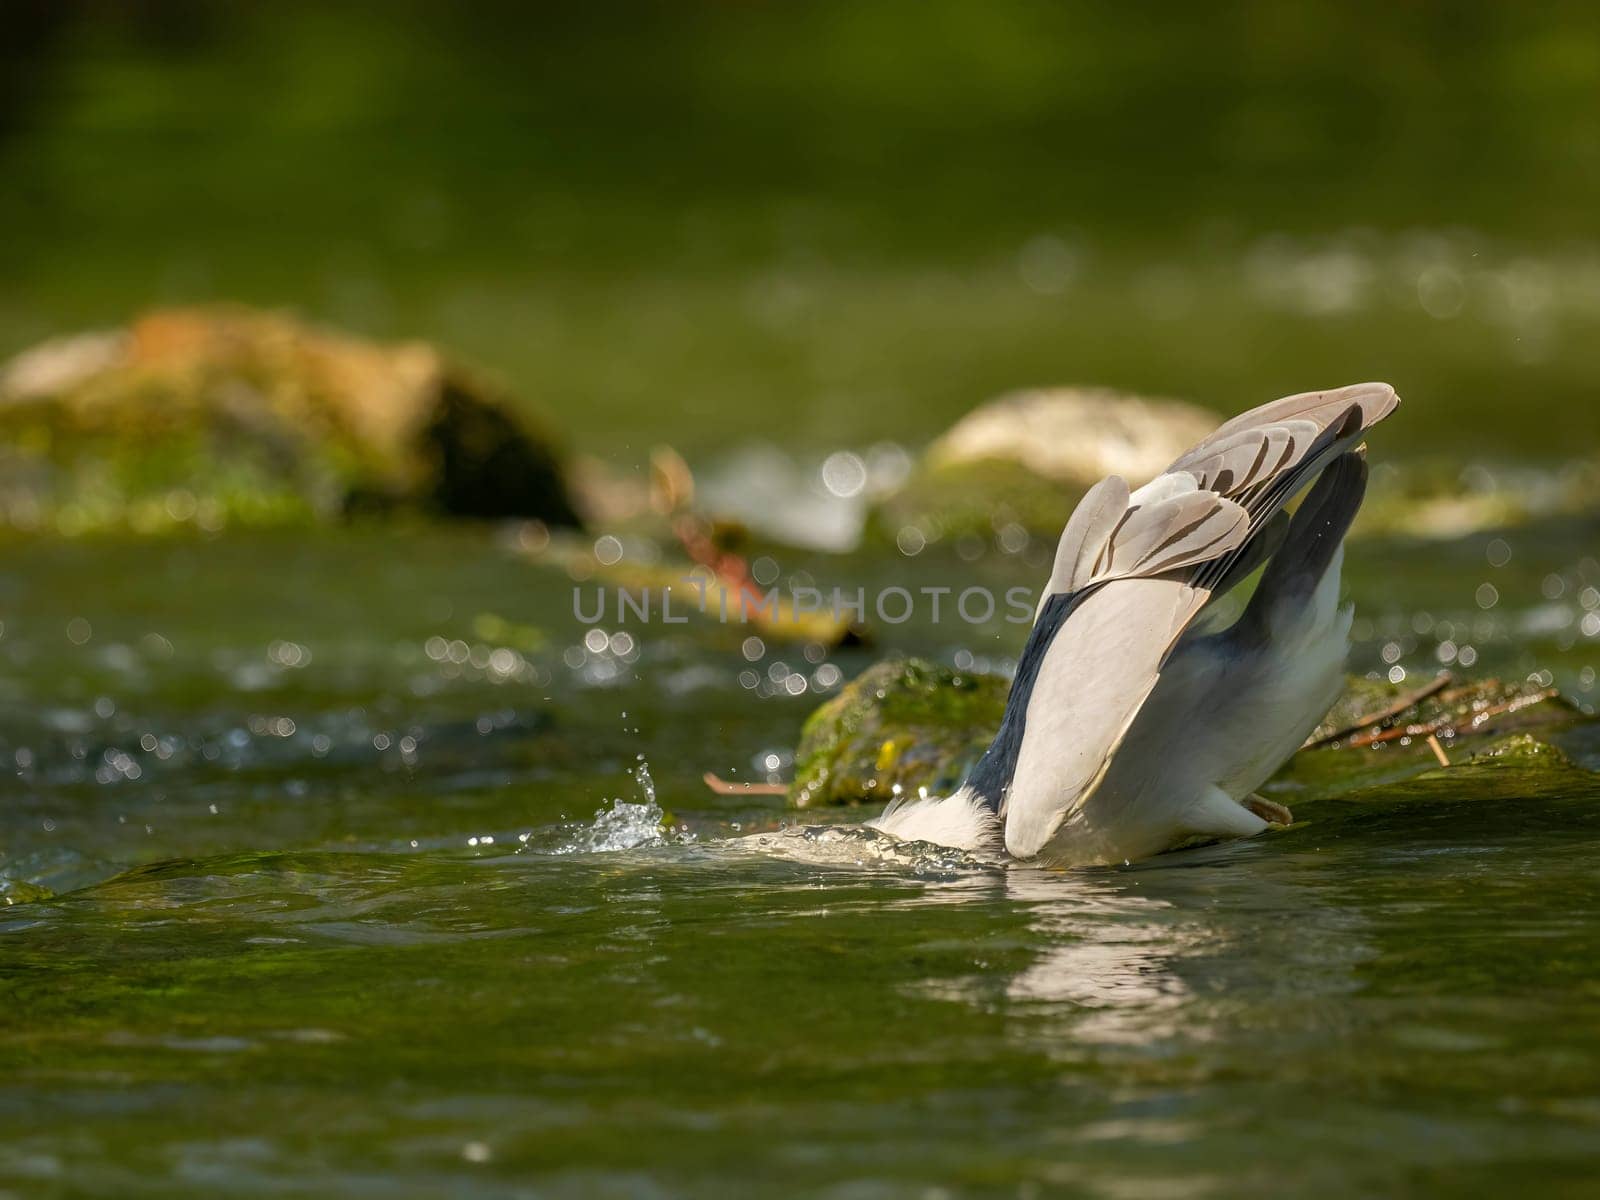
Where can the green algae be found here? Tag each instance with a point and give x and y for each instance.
(901, 726)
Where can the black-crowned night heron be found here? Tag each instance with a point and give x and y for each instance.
(1131, 728)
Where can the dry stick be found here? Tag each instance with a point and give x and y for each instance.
(1440, 681)
(724, 787)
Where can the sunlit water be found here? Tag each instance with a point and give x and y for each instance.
(321, 889)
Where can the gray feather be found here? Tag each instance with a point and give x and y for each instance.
(1315, 534)
(1086, 534)
(1267, 542)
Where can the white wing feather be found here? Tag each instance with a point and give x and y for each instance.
(1099, 670)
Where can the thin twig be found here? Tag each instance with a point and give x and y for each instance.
(1410, 700)
(1438, 750)
(1441, 723)
(725, 787)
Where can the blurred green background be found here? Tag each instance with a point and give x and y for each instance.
(829, 223)
(324, 812)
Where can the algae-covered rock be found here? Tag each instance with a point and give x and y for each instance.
(1521, 780)
(1523, 750)
(20, 891)
(911, 724)
(1028, 457)
(901, 725)
(1440, 499)
(208, 416)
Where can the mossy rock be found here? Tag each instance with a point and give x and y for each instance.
(952, 501)
(1435, 498)
(1026, 458)
(230, 415)
(20, 891)
(1522, 780)
(900, 726)
(1520, 750)
(908, 724)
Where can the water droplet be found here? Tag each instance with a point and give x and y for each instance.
(911, 541)
(844, 474)
(608, 550)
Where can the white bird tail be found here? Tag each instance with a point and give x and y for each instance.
(961, 821)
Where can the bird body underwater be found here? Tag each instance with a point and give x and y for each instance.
(1133, 725)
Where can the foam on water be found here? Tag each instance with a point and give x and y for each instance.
(641, 825)
(857, 846)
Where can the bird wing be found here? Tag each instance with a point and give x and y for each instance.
(1131, 572)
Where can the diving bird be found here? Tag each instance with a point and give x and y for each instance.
(1133, 726)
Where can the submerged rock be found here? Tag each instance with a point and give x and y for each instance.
(1028, 457)
(907, 724)
(209, 416)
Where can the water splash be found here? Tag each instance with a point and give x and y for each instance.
(625, 825)
(647, 785)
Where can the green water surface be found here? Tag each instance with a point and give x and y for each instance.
(334, 914)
